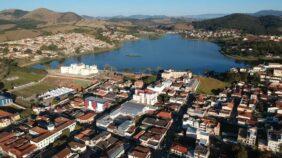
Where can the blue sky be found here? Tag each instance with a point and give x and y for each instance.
(149, 7)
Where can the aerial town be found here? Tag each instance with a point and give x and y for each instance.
(59, 45)
(140, 79)
(124, 115)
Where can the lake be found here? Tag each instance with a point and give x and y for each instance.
(170, 51)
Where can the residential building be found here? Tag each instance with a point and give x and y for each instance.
(53, 133)
(139, 152)
(179, 150)
(147, 97)
(79, 69)
(168, 74)
(274, 140)
(96, 104)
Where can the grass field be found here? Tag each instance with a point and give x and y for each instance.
(51, 83)
(22, 76)
(35, 89)
(208, 84)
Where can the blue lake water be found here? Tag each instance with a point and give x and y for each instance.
(170, 51)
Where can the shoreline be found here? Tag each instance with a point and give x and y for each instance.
(103, 50)
(46, 60)
(248, 59)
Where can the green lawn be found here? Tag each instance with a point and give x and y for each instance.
(208, 84)
(82, 83)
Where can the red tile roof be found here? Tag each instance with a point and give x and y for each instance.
(179, 148)
(165, 115)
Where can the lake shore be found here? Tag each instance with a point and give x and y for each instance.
(251, 58)
(46, 60)
(117, 46)
(240, 58)
(169, 51)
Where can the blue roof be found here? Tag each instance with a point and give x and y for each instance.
(4, 97)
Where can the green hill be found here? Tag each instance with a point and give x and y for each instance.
(246, 23)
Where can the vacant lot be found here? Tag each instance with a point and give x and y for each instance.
(35, 89)
(208, 84)
(18, 34)
(19, 76)
(51, 83)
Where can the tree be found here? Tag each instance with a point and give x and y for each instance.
(39, 52)
(163, 98)
(1, 85)
(29, 51)
(242, 153)
(66, 132)
(5, 50)
(107, 67)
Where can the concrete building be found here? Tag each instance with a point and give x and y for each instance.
(147, 97)
(79, 69)
(96, 104)
(274, 140)
(277, 72)
(168, 74)
(45, 138)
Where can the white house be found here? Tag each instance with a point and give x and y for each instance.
(147, 96)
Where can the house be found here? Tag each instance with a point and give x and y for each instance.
(277, 72)
(77, 147)
(139, 152)
(77, 102)
(65, 153)
(16, 146)
(96, 104)
(179, 150)
(53, 133)
(164, 115)
(7, 118)
(98, 139)
(139, 84)
(116, 150)
(201, 152)
(247, 136)
(86, 118)
(159, 88)
(147, 97)
(274, 140)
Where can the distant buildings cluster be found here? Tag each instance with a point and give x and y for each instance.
(42, 47)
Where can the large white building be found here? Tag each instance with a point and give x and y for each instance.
(80, 69)
(160, 87)
(147, 97)
(168, 74)
(56, 93)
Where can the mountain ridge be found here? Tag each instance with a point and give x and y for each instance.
(247, 23)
